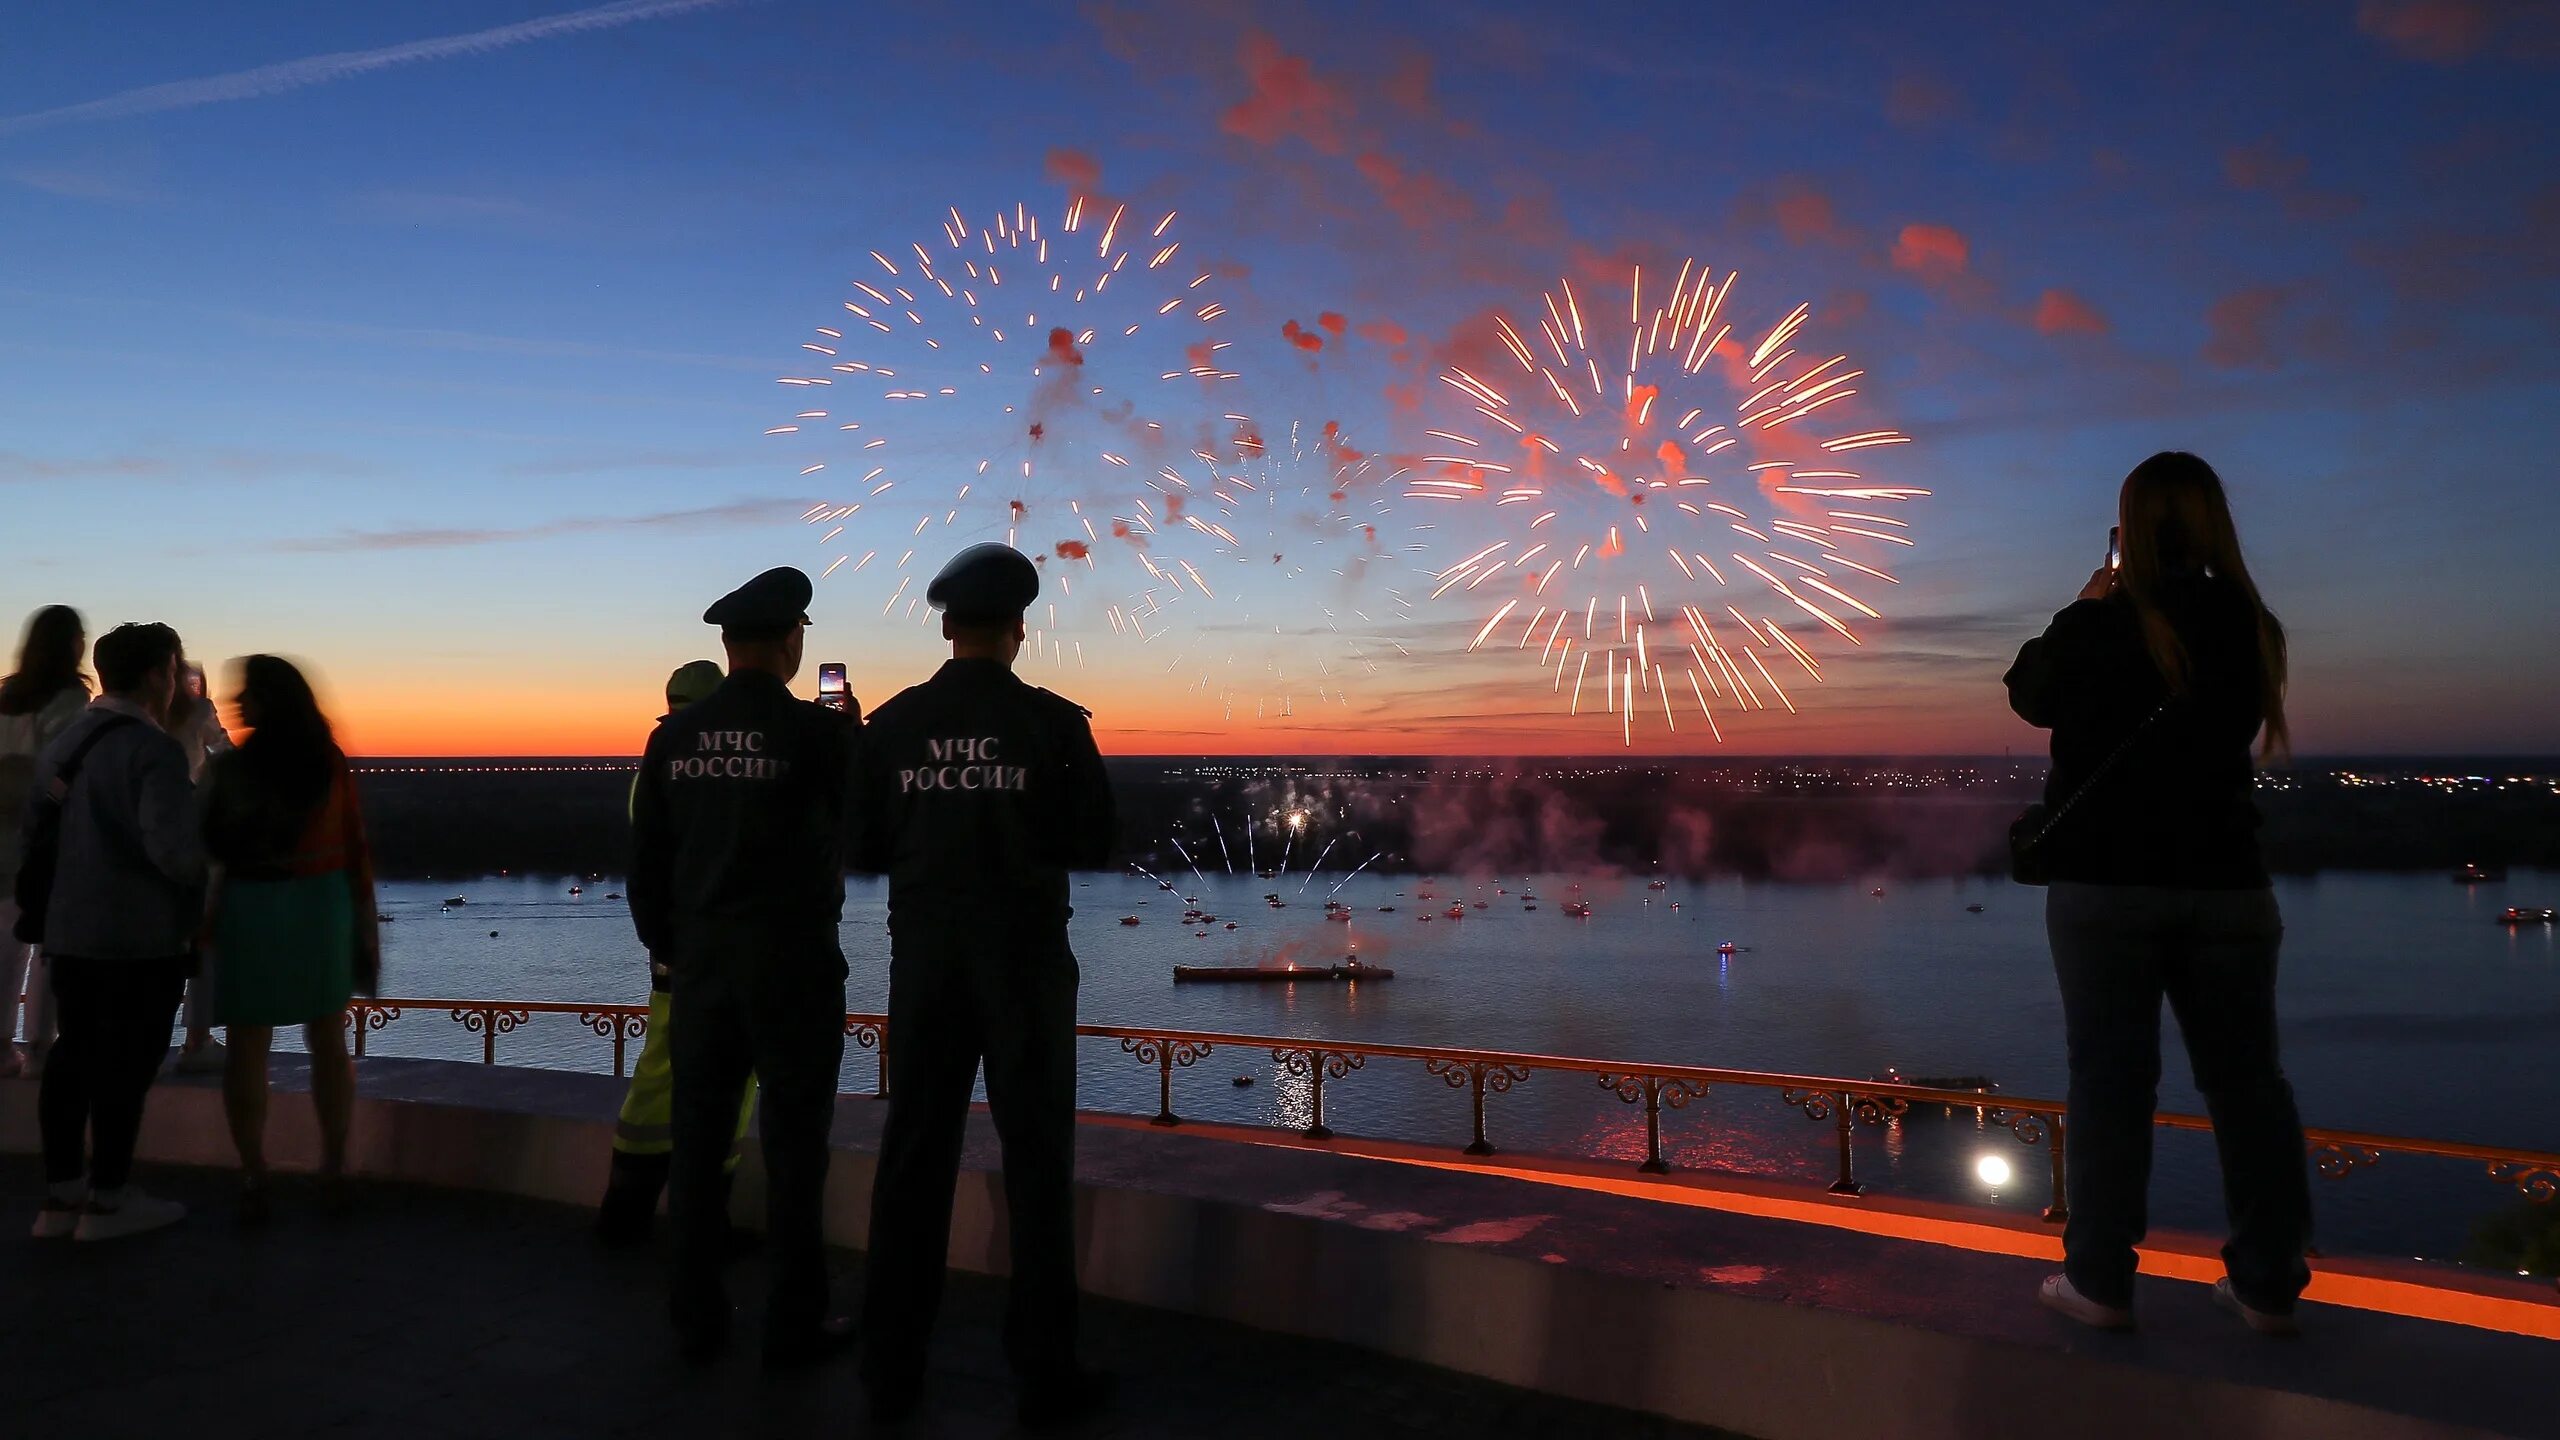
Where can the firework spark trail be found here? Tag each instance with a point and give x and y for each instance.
(1354, 873)
(1641, 444)
(1224, 857)
(1187, 860)
(1310, 876)
(1229, 541)
(1064, 352)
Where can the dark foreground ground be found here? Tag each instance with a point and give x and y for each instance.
(452, 1314)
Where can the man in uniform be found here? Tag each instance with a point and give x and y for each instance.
(644, 1133)
(737, 886)
(979, 792)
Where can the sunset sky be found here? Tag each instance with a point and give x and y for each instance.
(439, 346)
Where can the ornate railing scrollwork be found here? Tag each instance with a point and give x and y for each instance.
(1164, 1053)
(871, 1032)
(1315, 1062)
(489, 1022)
(622, 1026)
(1845, 1109)
(1654, 1091)
(1840, 1102)
(2539, 1183)
(2036, 1127)
(2337, 1161)
(1478, 1076)
(366, 1016)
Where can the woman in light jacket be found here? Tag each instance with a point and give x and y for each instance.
(37, 702)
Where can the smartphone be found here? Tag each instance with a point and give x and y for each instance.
(833, 692)
(2115, 547)
(195, 680)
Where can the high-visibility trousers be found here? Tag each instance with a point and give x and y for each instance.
(647, 1123)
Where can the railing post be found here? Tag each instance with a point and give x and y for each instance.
(1847, 1184)
(1313, 1061)
(1163, 1052)
(872, 1035)
(1480, 1145)
(1164, 1087)
(2060, 1210)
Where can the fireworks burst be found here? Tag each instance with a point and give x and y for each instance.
(1678, 519)
(1269, 570)
(1002, 381)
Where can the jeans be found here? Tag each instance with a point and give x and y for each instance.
(2118, 951)
(116, 1016)
(955, 998)
(782, 1022)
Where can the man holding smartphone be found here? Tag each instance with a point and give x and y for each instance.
(737, 886)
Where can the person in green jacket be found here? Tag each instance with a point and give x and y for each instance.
(643, 1135)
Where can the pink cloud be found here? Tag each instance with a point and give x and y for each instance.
(2440, 32)
(2059, 312)
(1286, 100)
(2237, 329)
(1806, 214)
(1935, 253)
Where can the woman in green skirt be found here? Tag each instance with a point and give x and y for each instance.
(292, 912)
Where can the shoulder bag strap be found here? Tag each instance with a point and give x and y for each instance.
(2099, 774)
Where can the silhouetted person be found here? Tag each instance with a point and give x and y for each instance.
(198, 728)
(737, 886)
(979, 793)
(38, 701)
(644, 1130)
(292, 913)
(120, 918)
(2154, 683)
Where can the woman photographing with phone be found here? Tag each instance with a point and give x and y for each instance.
(2155, 683)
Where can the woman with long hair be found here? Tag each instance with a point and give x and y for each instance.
(2155, 683)
(38, 701)
(292, 912)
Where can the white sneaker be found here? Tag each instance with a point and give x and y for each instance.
(2265, 1322)
(56, 1220)
(2059, 1295)
(205, 1059)
(128, 1212)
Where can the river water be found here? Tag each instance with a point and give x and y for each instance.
(2406, 1009)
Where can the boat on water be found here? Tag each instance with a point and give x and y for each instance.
(1973, 909)
(2477, 874)
(577, 889)
(1342, 915)
(1728, 948)
(1578, 910)
(1455, 912)
(1278, 974)
(2530, 915)
(1128, 919)
(457, 900)
(1658, 885)
(1980, 1084)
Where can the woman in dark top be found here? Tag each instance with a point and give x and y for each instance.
(292, 911)
(2172, 665)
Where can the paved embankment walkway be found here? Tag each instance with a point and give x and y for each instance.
(450, 1314)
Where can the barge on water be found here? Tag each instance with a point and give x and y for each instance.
(1279, 974)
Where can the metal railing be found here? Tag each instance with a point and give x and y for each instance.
(1843, 1104)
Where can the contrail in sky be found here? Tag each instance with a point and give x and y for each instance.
(346, 65)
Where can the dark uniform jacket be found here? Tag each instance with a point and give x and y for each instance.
(979, 793)
(2176, 809)
(739, 829)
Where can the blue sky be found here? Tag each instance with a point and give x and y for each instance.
(449, 368)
